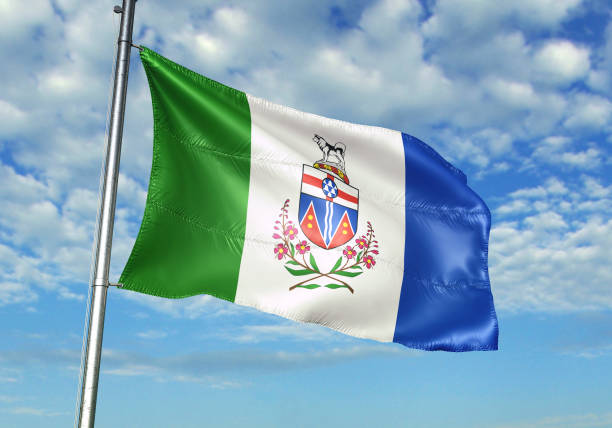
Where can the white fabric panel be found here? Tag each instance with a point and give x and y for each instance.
(281, 142)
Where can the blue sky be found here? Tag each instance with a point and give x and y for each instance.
(517, 94)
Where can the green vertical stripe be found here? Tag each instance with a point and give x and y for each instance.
(192, 233)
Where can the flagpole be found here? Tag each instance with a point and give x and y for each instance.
(104, 237)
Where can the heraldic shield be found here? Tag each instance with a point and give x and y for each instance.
(328, 208)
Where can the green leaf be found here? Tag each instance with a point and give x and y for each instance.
(313, 286)
(359, 256)
(337, 265)
(300, 272)
(356, 267)
(334, 286)
(292, 249)
(345, 273)
(313, 263)
(291, 262)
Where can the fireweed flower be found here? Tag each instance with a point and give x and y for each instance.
(291, 232)
(349, 252)
(369, 261)
(302, 247)
(280, 250)
(361, 242)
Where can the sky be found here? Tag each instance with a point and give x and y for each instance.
(517, 94)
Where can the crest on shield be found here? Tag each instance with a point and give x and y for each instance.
(328, 204)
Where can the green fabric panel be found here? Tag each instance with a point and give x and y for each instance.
(192, 233)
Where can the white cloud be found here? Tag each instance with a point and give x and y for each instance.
(560, 151)
(60, 83)
(12, 117)
(554, 255)
(20, 188)
(545, 13)
(453, 17)
(66, 294)
(555, 186)
(344, 70)
(561, 62)
(213, 367)
(152, 334)
(11, 293)
(34, 411)
(9, 399)
(385, 18)
(589, 158)
(590, 351)
(598, 80)
(480, 148)
(599, 77)
(514, 207)
(498, 143)
(533, 192)
(211, 48)
(217, 362)
(16, 20)
(234, 20)
(516, 94)
(589, 111)
(487, 38)
(49, 243)
(594, 189)
(191, 308)
(500, 167)
(81, 204)
(545, 221)
(288, 331)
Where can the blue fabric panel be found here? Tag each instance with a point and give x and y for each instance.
(446, 301)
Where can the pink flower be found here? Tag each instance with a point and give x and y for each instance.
(291, 232)
(280, 250)
(361, 242)
(349, 252)
(302, 247)
(369, 261)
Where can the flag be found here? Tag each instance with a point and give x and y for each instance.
(364, 230)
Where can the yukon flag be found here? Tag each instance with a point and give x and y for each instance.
(364, 230)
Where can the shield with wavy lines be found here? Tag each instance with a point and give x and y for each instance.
(328, 208)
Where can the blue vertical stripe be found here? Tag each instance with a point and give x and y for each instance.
(446, 301)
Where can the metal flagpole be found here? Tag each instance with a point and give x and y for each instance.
(91, 368)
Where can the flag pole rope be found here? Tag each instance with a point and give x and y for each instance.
(94, 242)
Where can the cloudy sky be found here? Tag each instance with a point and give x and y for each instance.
(517, 94)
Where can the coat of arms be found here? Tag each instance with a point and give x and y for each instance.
(327, 216)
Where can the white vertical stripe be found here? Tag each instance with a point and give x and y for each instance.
(329, 212)
(281, 142)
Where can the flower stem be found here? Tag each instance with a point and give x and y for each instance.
(325, 275)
